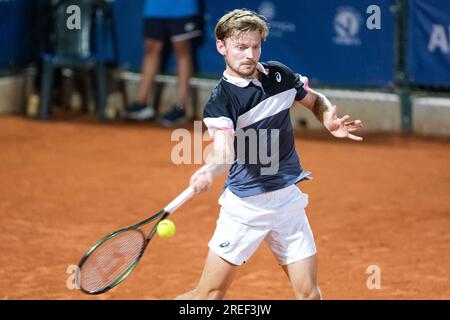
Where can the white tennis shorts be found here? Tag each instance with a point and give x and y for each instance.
(277, 217)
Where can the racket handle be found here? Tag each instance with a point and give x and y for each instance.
(179, 200)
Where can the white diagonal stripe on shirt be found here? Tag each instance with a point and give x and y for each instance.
(267, 108)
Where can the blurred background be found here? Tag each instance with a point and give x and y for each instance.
(387, 61)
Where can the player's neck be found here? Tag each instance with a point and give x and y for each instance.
(231, 73)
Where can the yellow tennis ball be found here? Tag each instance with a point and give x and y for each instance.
(166, 228)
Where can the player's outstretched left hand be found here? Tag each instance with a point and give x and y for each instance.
(341, 127)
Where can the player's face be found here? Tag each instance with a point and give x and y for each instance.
(241, 53)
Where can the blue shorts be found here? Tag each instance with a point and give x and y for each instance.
(174, 29)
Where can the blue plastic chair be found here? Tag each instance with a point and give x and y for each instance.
(74, 48)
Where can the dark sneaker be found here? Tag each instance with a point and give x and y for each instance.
(174, 117)
(139, 112)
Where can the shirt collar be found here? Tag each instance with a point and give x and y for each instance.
(244, 82)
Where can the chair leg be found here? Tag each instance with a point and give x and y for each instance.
(102, 91)
(88, 92)
(67, 89)
(123, 89)
(46, 90)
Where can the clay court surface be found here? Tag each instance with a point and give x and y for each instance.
(67, 182)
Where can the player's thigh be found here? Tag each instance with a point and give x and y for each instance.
(216, 277)
(303, 275)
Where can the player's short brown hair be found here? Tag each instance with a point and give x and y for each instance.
(239, 21)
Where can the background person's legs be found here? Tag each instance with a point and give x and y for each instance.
(150, 68)
(183, 57)
(303, 277)
(215, 280)
(181, 32)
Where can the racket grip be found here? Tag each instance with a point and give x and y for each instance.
(179, 200)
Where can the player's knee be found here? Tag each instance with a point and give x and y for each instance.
(309, 293)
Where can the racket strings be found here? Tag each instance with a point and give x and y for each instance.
(111, 260)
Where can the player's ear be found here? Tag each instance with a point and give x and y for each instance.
(220, 45)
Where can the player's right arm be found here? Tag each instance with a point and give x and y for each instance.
(218, 161)
(219, 117)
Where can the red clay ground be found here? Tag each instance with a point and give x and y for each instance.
(67, 182)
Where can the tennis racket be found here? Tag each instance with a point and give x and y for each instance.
(115, 256)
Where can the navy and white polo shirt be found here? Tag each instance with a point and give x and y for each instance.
(256, 112)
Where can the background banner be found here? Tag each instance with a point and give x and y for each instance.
(328, 41)
(428, 60)
(16, 32)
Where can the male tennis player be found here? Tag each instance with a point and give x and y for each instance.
(256, 206)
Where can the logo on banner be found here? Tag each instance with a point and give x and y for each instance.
(439, 40)
(347, 23)
(267, 9)
(278, 28)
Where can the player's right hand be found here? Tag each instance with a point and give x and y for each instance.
(201, 181)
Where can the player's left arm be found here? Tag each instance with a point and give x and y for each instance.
(326, 113)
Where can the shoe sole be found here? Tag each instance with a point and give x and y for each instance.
(141, 116)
